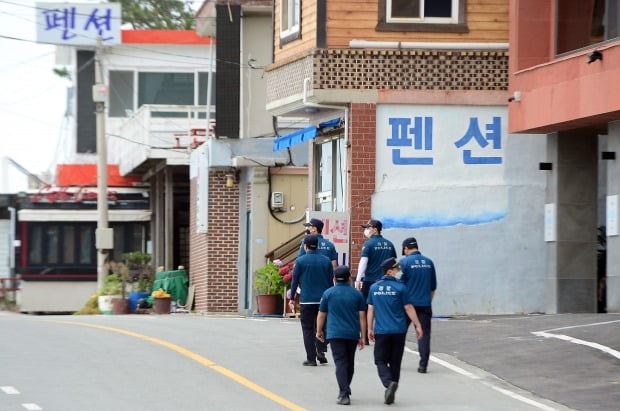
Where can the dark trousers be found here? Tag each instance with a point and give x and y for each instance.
(307, 317)
(425, 313)
(389, 349)
(343, 351)
(365, 289)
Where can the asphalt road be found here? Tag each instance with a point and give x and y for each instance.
(572, 359)
(194, 362)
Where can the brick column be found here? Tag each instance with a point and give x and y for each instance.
(362, 139)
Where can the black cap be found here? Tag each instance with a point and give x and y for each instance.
(312, 241)
(342, 273)
(410, 242)
(315, 222)
(391, 262)
(373, 223)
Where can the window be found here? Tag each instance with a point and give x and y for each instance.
(581, 24)
(129, 90)
(290, 16)
(422, 15)
(329, 158)
(68, 248)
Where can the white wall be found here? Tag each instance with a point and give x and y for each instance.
(482, 224)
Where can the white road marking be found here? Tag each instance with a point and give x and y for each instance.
(9, 390)
(594, 345)
(31, 407)
(468, 374)
(583, 325)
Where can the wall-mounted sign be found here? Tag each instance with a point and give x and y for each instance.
(550, 223)
(78, 23)
(612, 215)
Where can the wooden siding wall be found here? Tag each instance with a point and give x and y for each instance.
(487, 21)
(308, 31)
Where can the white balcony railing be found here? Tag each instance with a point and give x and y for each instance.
(157, 132)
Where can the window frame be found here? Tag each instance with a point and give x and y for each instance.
(454, 24)
(335, 195)
(135, 89)
(292, 32)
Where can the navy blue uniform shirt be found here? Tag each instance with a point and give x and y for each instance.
(377, 249)
(342, 303)
(314, 273)
(420, 278)
(388, 298)
(325, 247)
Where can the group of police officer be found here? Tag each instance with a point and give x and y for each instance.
(388, 296)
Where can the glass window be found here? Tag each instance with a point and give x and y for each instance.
(86, 241)
(329, 161)
(166, 88)
(52, 240)
(584, 23)
(423, 15)
(35, 244)
(289, 18)
(121, 93)
(68, 246)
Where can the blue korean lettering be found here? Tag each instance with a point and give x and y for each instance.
(61, 19)
(422, 132)
(492, 133)
(100, 23)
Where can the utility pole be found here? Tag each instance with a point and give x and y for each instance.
(104, 235)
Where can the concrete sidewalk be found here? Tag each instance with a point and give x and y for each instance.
(572, 359)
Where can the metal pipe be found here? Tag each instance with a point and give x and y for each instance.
(366, 44)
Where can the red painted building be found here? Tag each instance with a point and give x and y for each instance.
(565, 84)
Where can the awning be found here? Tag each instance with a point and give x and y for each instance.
(295, 137)
(302, 135)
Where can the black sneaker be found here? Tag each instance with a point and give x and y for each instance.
(390, 392)
(344, 400)
(422, 370)
(321, 357)
(309, 363)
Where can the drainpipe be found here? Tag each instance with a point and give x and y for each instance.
(306, 103)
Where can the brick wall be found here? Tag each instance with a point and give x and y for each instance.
(213, 260)
(362, 137)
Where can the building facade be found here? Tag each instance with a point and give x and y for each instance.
(422, 89)
(563, 81)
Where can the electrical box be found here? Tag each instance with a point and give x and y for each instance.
(277, 199)
(100, 93)
(104, 238)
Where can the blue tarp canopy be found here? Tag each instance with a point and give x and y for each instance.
(295, 137)
(302, 135)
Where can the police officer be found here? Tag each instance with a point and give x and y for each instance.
(421, 280)
(325, 247)
(389, 310)
(314, 273)
(345, 308)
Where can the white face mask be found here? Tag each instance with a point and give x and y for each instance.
(398, 274)
(367, 232)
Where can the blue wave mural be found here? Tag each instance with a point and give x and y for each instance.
(421, 221)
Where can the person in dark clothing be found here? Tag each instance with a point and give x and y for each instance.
(314, 273)
(420, 278)
(374, 251)
(345, 308)
(325, 247)
(389, 313)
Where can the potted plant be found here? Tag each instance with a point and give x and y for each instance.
(112, 285)
(141, 275)
(269, 286)
(120, 303)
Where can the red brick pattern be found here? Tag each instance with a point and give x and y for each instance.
(362, 137)
(213, 261)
